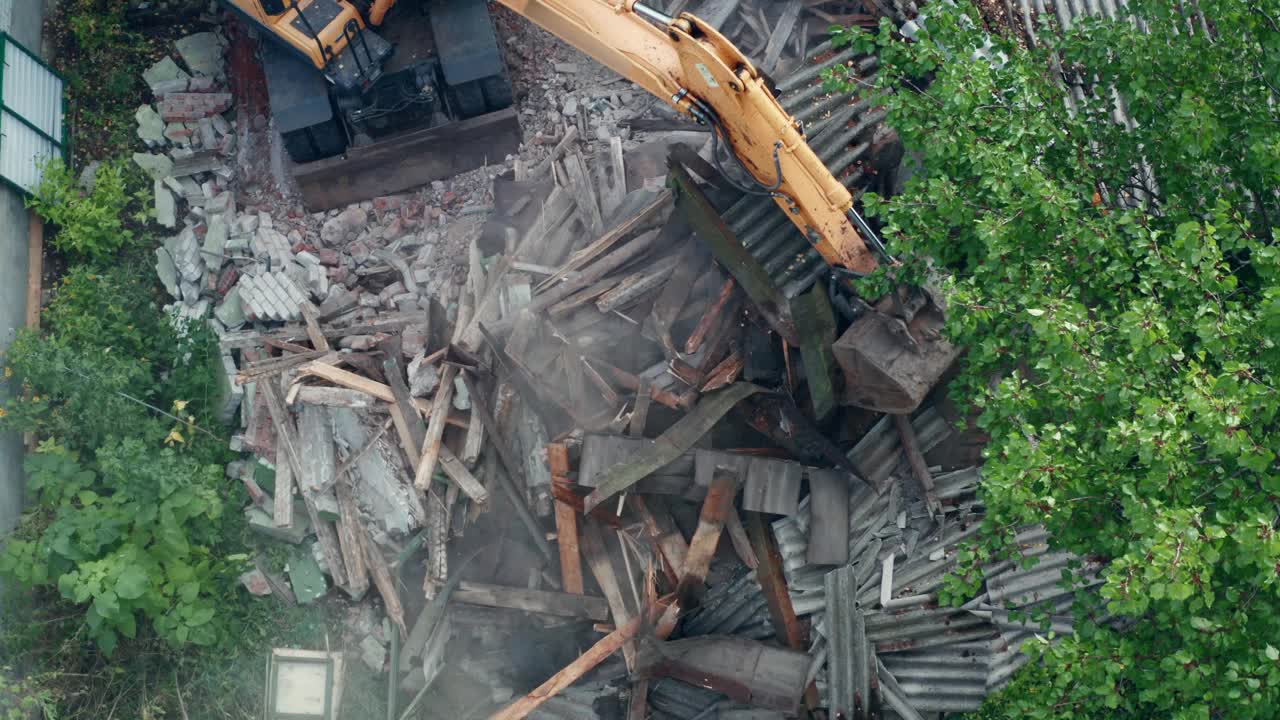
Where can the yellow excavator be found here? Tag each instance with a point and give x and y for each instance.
(896, 354)
(682, 60)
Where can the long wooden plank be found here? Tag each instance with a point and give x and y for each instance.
(435, 428)
(382, 580)
(462, 477)
(702, 548)
(915, 458)
(597, 556)
(349, 541)
(35, 267)
(393, 370)
(287, 442)
(566, 523)
(664, 534)
(537, 601)
(282, 510)
(770, 574)
(588, 660)
(348, 379)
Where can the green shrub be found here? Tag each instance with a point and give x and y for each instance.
(132, 537)
(107, 337)
(94, 225)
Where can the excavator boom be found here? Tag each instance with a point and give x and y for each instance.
(690, 65)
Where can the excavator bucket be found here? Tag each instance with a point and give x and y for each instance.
(891, 359)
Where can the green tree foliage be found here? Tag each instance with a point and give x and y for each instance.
(1122, 358)
(132, 540)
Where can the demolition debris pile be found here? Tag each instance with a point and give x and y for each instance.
(599, 402)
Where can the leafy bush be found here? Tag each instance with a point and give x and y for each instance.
(106, 337)
(133, 539)
(93, 225)
(1118, 289)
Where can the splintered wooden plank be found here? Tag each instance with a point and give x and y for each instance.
(348, 379)
(435, 428)
(662, 531)
(738, 536)
(583, 193)
(287, 441)
(282, 510)
(310, 316)
(640, 415)
(537, 601)
(566, 522)
(829, 523)
(615, 191)
(382, 580)
(702, 548)
(349, 541)
(608, 645)
(586, 255)
(462, 477)
(597, 556)
(781, 34)
(786, 624)
(915, 458)
(570, 554)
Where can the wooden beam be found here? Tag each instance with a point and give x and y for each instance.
(35, 267)
(640, 415)
(400, 397)
(349, 541)
(671, 546)
(348, 379)
(566, 523)
(282, 510)
(597, 555)
(915, 458)
(310, 317)
(462, 477)
(287, 441)
(587, 661)
(774, 583)
(738, 536)
(435, 428)
(702, 548)
(382, 580)
(537, 601)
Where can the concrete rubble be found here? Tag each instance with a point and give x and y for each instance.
(531, 407)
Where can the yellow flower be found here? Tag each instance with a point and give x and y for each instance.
(179, 405)
(8, 372)
(174, 437)
(3, 412)
(35, 398)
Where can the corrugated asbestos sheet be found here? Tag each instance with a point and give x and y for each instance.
(880, 609)
(31, 115)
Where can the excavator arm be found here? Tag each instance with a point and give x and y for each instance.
(690, 65)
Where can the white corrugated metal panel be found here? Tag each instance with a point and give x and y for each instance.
(31, 115)
(31, 90)
(23, 152)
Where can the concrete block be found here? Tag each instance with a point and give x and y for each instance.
(262, 523)
(167, 271)
(164, 71)
(231, 311)
(386, 500)
(215, 238)
(232, 394)
(150, 126)
(155, 166)
(202, 52)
